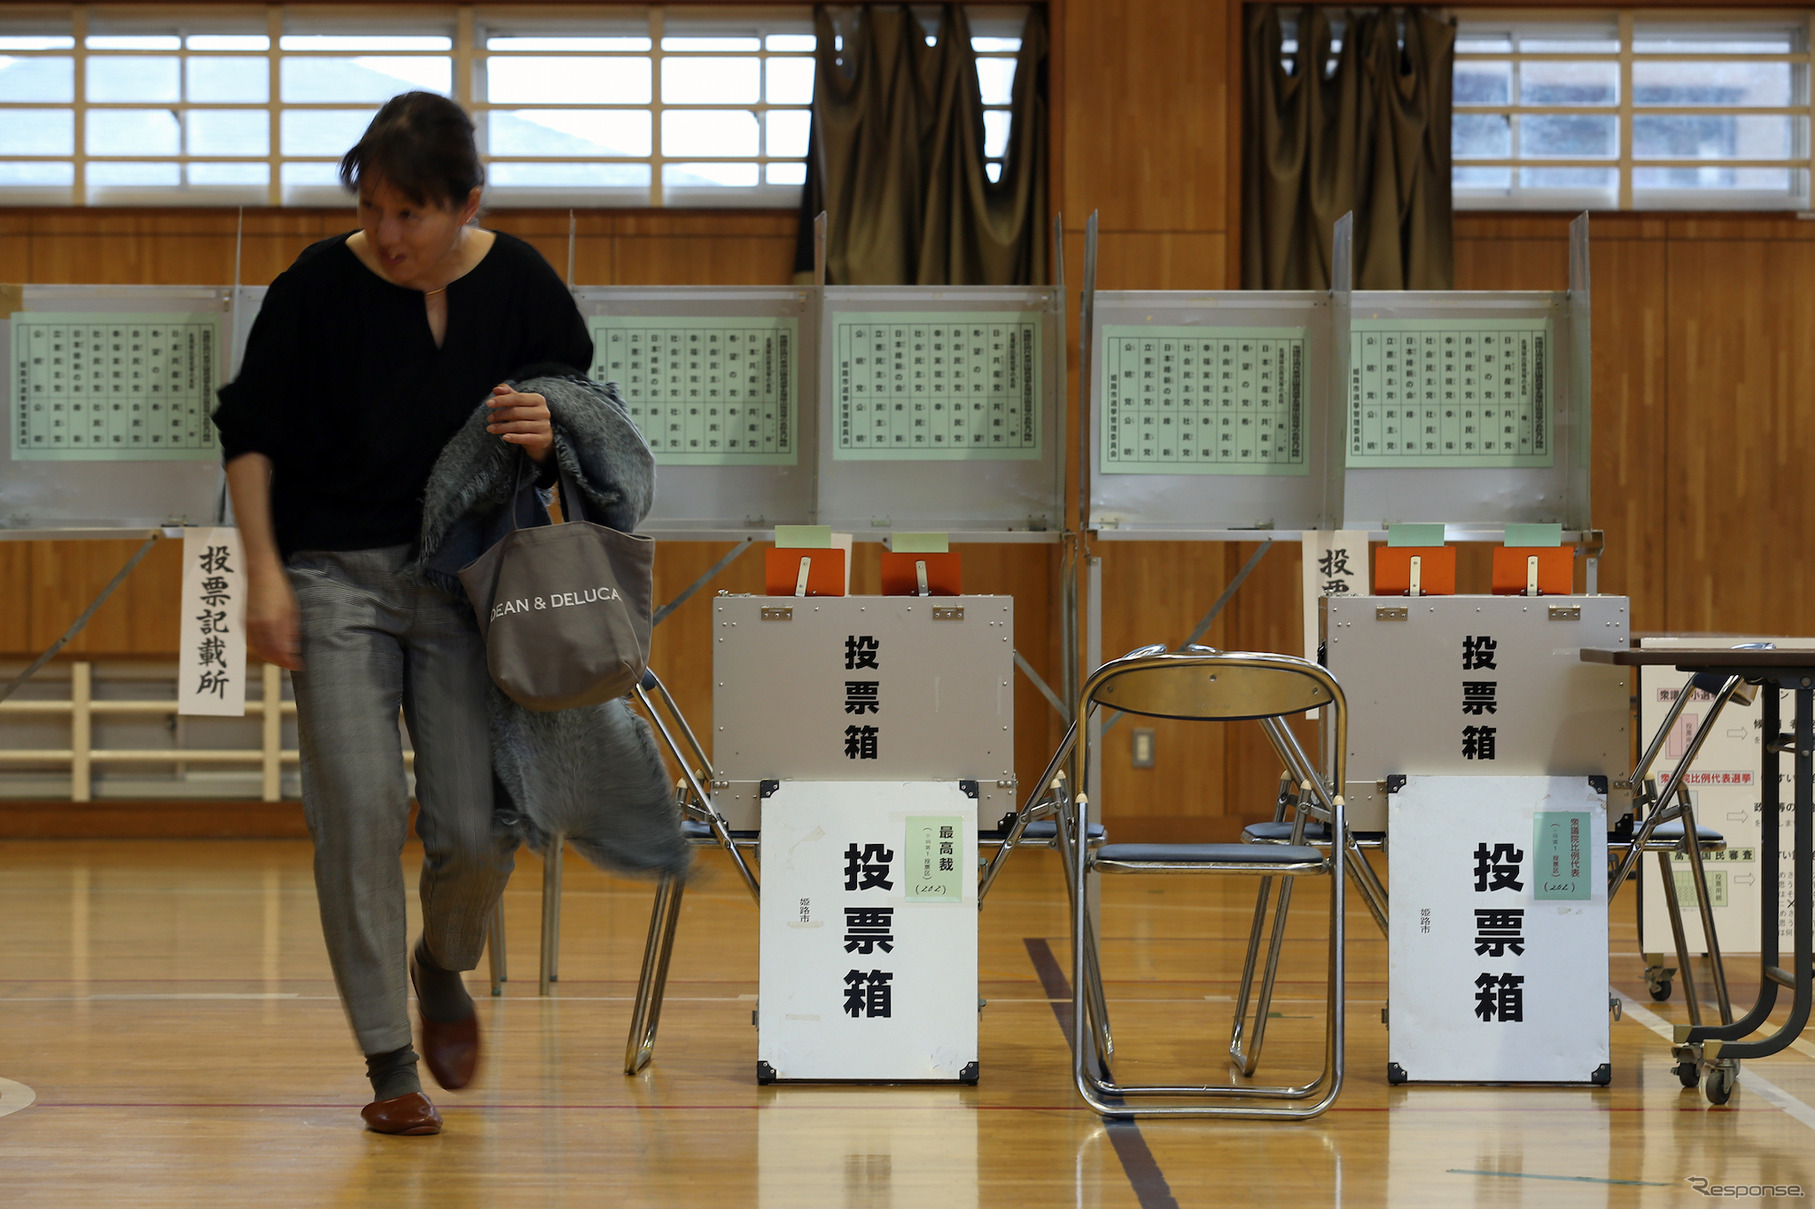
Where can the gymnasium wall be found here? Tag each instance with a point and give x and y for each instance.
(1702, 346)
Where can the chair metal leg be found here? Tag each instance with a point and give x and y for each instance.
(653, 981)
(1263, 999)
(1675, 910)
(1239, 1029)
(1373, 893)
(551, 916)
(1097, 1004)
(494, 947)
(1716, 971)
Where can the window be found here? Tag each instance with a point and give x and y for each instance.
(657, 109)
(635, 107)
(1632, 111)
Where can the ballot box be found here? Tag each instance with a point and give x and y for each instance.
(862, 688)
(1497, 948)
(866, 738)
(1477, 686)
(868, 959)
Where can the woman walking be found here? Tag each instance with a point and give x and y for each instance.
(369, 353)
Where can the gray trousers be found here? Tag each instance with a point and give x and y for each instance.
(373, 641)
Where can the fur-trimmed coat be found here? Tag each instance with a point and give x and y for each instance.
(590, 775)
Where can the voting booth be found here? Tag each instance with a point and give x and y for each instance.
(865, 737)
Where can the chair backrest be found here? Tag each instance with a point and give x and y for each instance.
(1198, 684)
(1223, 686)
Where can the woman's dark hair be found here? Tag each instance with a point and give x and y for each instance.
(421, 144)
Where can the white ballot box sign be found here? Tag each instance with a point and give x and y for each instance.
(868, 959)
(211, 661)
(1497, 950)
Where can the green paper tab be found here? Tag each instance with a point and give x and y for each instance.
(932, 867)
(803, 537)
(1534, 535)
(920, 543)
(1561, 850)
(1414, 535)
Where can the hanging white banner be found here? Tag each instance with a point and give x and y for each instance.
(1335, 564)
(211, 659)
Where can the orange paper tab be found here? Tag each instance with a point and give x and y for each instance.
(782, 572)
(1436, 570)
(1556, 570)
(901, 573)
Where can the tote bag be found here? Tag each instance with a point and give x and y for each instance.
(564, 609)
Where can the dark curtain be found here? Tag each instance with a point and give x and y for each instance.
(895, 157)
(1372, 136)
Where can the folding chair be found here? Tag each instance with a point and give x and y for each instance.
(1298, 818)
(1666, 825)
(704, 826)
(1206, 686)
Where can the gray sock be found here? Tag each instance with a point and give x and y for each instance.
(441, 993)
(393, 1074)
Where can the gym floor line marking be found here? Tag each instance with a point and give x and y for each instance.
(1138, 1164)
(1574, 1179)
(1749, 1078)
(14, 1096)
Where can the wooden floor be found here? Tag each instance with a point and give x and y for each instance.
(169, 1005)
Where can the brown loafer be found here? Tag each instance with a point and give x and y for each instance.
(450, 1050)
(411, 1114)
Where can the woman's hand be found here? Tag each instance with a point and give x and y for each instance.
(272, 630)
(521, 419)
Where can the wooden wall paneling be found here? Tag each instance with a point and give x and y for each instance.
(140, 618)
(134, 247)
(15, 597)
(15, 248)
(1167, 260)
(273, 239)
(1739, 353)
(1632, 416)
(734, 248)
(1145, 127)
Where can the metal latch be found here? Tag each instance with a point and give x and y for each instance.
(1391, 613)
(1566, 612)
(779, 613)
(948, 612)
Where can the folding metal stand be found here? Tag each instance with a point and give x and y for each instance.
(1711, 1053)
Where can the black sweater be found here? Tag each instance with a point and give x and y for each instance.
(343, 388)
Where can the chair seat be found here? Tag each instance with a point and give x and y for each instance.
(1044, 831)
(1208, 854)
(1672, 834)
(697, 832)
(1315, 833)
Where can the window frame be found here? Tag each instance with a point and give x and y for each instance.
(467, 28)
(1626, 26)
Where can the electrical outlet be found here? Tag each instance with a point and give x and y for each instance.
(1141, 748)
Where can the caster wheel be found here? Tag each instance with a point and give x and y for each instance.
(1718, 1086)
(1660, 991)
(1686, 1074)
